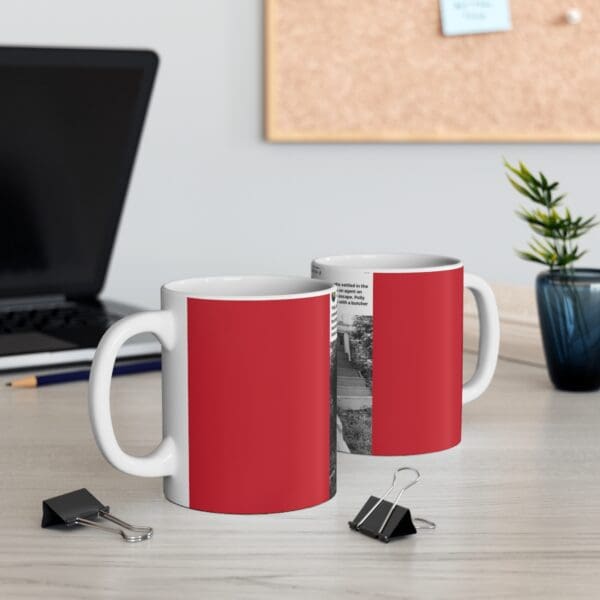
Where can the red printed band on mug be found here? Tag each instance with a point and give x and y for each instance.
(248, 387)
(417, 361)
(260, 411)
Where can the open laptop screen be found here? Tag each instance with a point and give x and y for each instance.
(70, 122)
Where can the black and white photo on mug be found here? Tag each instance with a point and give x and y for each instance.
(355, 374)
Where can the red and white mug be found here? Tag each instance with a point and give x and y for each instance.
(400, 344)
(248, 397)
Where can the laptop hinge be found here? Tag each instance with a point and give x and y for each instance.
(32, 302)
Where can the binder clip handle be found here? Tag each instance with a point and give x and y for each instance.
(139, 533)
(427, 524)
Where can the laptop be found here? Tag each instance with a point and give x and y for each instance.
(70, 124)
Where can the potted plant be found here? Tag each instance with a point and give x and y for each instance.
(568, 298)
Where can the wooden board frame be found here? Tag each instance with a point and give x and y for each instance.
(274, 79)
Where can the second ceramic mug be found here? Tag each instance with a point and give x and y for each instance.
(248, 396)
(400, 344)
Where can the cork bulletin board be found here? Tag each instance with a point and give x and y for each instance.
(381, 70)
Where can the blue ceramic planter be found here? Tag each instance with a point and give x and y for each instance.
(569, 311)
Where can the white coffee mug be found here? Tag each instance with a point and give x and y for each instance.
(248, 413)
(400, 332)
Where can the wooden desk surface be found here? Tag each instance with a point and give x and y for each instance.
(517, 506)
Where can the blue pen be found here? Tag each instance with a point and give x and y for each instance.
(83, 375)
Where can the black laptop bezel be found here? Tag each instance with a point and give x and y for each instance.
(143, 59)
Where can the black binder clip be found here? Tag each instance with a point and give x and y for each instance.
(81, 508)
(383, 520)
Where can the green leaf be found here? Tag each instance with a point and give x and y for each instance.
(524, 191)
(556, 201)
(527, 175)
(524, 175)
(531, 257)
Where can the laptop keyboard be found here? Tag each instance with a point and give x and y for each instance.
(53, 319)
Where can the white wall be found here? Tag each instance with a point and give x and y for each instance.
(209, 196)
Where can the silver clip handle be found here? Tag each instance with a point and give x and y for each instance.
(426, 523)
(139, 533)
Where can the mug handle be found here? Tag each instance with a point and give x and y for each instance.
(489, 337)
(162, 460)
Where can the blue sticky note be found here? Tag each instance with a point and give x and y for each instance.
(462, 17)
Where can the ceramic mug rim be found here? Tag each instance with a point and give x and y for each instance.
(249, 287)
(399, 262)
